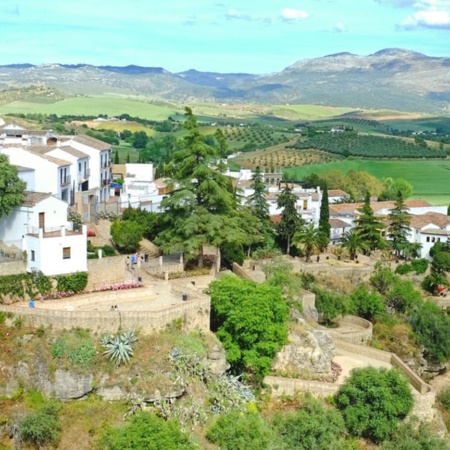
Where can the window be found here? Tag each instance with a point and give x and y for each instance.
(33, 256)
(433, 239)
(305, 204)
(428, 238)
(66, 253)
(79, 167)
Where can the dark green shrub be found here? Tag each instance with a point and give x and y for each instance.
(230, 253)
(330, 304)
(127, 235)
(441, 262)
(108, 250)
(75, 282)
(41, 427)
(241, 431)
(438, 247)
(432, 282)
(76, 348)
(444, 398)
(403, 297)
(363, 303)
(420, 265)
(311, 427)
(373, 402)
(403, 269)
(146, 431)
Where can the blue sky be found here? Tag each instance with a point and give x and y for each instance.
(253, 36)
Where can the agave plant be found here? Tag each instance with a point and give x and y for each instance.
(119, 348)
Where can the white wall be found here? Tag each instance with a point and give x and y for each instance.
(141, 172)
(29, 177)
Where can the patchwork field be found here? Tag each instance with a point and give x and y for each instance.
(430, 179)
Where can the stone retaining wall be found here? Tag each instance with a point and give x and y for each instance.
(13, 267)
(362, 337)
(193, 313)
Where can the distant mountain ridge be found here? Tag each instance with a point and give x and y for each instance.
(390, 78)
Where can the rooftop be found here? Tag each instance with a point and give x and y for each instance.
(33, 198)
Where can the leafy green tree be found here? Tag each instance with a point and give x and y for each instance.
(231, 252)
(392, 187)
(241, 431)
(366, 304)
(383, 278)
(432, 282)
(290, 218)
(127, 235)
(125, 134)
(324, 221)
(402, 297)
(257, 201)
(12, 188)
(311, 427)
(369, 228)
(330, 304)
(308, 237)
(145, 431)
(140, 139)
(441, 262)
(373, 402)
(410, 437)
(222, 145)
(202, 207)
(399, 224)
(439, 247)
(432, 328)
(251, 321)
(41, 427)
(353, 242)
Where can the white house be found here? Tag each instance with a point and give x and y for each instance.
(40, 227)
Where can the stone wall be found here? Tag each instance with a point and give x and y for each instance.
(193, 313)
(13, 267)
(290, 386)
(109, 270)
(361, 336)
(243, 273)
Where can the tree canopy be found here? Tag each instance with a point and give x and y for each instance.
(12, 188)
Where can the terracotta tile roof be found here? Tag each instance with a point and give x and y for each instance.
(421, 220)
(276, 218)
(33, 198)
(57, 161)
(41, 149)
(73, 151)
(436, 231)
(350, 208)
(337, 223)
(337, 193)
(92, 142)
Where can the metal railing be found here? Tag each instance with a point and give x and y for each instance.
(65, 180)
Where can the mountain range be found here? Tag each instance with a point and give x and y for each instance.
(389, 79)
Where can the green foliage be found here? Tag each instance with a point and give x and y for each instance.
(420, 266)
(394, 186)
(12, 188)
(366, 304)
(441, 262)
(444, 398)
(119, 348)
(231, 252)
(151, 221)
(373, 402)
(291, 220)
(330, 304)
(432, 282)
(75, 347)
(241, 431)
(251, 321)
(399, 224)
(17, 286)
(324, 221)
(126, 235)
(279, 273)
(353, 242)
(402, 297)
(383, 278)
(145, 431)
(140, 139)
(369, 228)
(438, 247)
(403, 269)
(309, 238)
(75, 282)
(311, 427)
(41, 427)
(432, 329)
(368, 146)
(408, 436)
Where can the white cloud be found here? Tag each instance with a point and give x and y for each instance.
(339, 28)
(234, 14)
(427, 19)
(293, 15)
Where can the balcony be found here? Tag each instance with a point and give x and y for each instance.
(106, 182)
(87, 173)
(106, 164)
(71, 229)
(65, 180)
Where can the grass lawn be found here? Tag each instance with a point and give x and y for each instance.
(124, 150)
(93, 105)
(430, 179)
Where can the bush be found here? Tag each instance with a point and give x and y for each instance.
(330, 304)
(75, 282)
(441, 262)
(444, 398)
(127, 235)
(41, 427)
(403, 269)
(241, 431)
(146, 431)
(438, 247)
(108, 250)
(431, 327)
(75, 346)
(403, 297)
(420, 265)
(251, 320)
(231, 252)
(363, 303)
(311, 427)
(373, 402)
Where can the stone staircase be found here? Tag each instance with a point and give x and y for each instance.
(149, 248)
(102, 233)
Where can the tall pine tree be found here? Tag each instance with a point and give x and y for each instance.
(324, 221)
(399, 225)
(291, 220)
(257, 201)
(368, 227)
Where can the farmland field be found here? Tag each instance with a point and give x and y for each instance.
(430, 179)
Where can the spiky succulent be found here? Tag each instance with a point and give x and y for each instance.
(119, 348)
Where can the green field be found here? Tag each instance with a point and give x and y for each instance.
(94, 105)
(430, 179)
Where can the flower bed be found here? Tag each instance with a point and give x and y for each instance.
(118, 287)
(58, 295)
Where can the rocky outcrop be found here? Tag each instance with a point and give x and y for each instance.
(218, 360)
(309, 351)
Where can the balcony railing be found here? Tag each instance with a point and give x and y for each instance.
(65, 180)
(106, 182)
(70, 229)
(106, 164)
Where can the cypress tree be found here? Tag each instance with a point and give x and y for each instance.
(399, 222)
(290, 218)
(324, 221)
(116, 157)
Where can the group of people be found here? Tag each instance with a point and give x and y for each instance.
(135, 259)
(114, 308)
